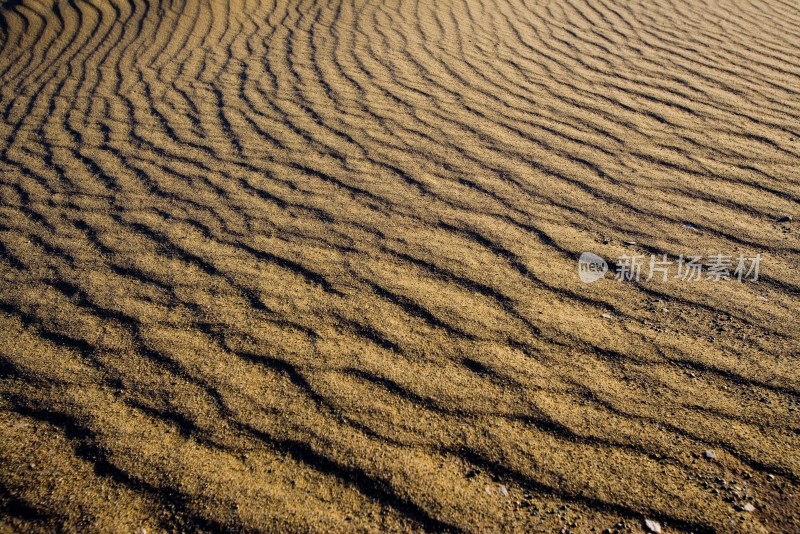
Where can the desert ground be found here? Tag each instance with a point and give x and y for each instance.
(313, 266)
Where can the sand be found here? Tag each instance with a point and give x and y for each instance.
(313, 265)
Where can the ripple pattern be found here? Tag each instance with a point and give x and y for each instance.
(310, 265)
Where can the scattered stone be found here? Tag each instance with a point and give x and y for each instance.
(785, 218)
(652, 526)
(631, 243)
(771, 477)
(607, 316)
(502, 491)
(472, 473)
(749, 507)
(710, 454)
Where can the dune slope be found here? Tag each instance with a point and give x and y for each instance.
(312, 265)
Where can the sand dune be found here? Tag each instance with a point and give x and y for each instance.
(312, 265)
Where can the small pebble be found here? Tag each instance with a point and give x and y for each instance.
(749, 508)
(785, 218)
(710, 454)
(502, 491)
(607, 316)
(652, 526)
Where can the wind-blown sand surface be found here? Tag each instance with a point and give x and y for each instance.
(278, 265)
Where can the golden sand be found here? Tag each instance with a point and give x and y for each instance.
(312, 265)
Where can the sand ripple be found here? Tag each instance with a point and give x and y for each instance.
(311, 265)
